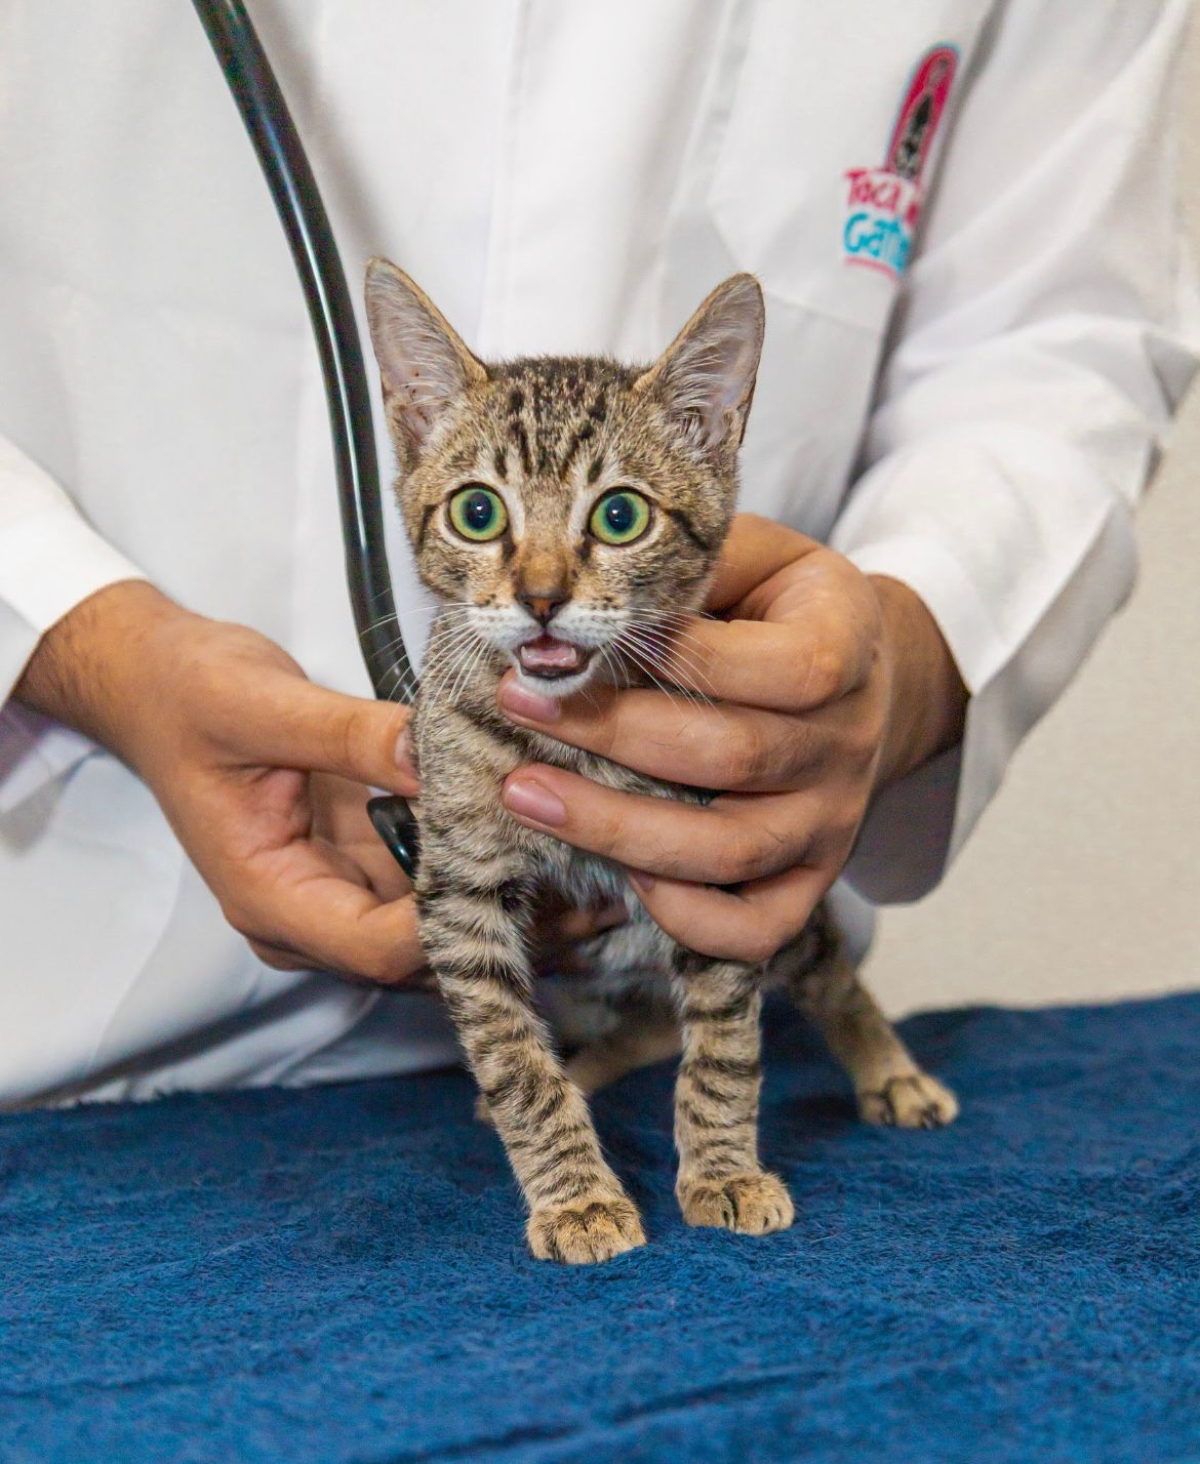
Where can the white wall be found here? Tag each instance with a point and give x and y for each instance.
(1083, 880)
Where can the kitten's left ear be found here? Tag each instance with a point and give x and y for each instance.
(423, 362)
(705, 377)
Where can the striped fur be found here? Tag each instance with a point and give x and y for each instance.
(550, 437)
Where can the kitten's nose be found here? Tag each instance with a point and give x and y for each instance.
(542, 604)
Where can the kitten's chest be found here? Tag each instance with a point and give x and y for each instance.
(583, 878)
(467, 750)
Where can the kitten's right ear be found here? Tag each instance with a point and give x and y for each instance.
(423, 362)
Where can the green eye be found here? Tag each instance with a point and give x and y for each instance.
(478, 514)
(620, 517)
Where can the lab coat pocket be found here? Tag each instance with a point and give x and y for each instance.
(832, 120)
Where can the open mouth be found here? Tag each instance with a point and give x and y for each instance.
(552, 659)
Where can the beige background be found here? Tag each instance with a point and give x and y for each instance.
(1083, 880)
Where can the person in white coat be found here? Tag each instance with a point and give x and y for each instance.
(980, 317)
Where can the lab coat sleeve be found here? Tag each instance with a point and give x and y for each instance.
(51, 559)
(1046, 332)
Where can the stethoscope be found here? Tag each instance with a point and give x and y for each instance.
(318, 264)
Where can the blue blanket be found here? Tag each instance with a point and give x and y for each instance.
(339, 1274)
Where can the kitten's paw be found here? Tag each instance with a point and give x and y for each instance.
(916, 1101)
(585, 1232)
(751, 1204)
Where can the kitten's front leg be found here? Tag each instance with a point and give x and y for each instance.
(721, 1181)
(475, 938)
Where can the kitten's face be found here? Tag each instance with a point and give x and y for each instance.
(574, 508)
(555, 505)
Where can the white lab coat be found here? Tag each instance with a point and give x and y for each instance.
(561, 177)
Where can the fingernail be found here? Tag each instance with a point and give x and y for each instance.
(529, 799)
(519, 701)
(640, 880)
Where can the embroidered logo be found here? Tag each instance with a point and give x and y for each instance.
(883, 204)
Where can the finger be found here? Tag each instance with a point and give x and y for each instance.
(279, 958)
(754, 550)
(735, 838)
(576, 925)
(295, 899)
(341, 820)
(379, 868)
(723, 746)
(290, 722)
(749, 924)
(785, 666)
(782, 665)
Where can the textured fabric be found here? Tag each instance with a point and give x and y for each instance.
(338, 1274)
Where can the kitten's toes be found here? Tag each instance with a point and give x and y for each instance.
(751, 1204)
(585, 1232)
(914, 1101)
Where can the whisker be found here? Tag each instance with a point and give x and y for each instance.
(402, 615)
(607, 663)
(680, 642)
(440, 607)
(676, 622)
(620, 666)
(465, 662)
(454, 628)
(646, 670)
(378, 595)
(404, 688)
(396, 640)
(677, 626)
(446, 663)
(469, 669)
(652, 652)
(671, 687)
(674, 664)
(458, 655)
(399, 639)
(375, 624)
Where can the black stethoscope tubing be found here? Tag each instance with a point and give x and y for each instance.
(265, 115)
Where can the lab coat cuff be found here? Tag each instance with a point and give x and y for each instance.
(916, 826)
(905, 841)
(48, 565)
(51, 562)
(945, 588)
(34, 752)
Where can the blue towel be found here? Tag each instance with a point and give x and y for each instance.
(339, 1274)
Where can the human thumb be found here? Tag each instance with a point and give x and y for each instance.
(297, 724)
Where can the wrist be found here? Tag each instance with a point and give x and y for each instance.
(928, 699)
(95, 671)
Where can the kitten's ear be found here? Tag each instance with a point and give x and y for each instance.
(705, 377)
(423, 363)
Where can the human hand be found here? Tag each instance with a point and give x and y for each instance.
(826, 684)
(262, 775)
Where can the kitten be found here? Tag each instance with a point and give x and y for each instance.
(567, 512)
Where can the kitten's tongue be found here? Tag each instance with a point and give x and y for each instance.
(547, 656)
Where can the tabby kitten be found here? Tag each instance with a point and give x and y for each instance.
(567, 513)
